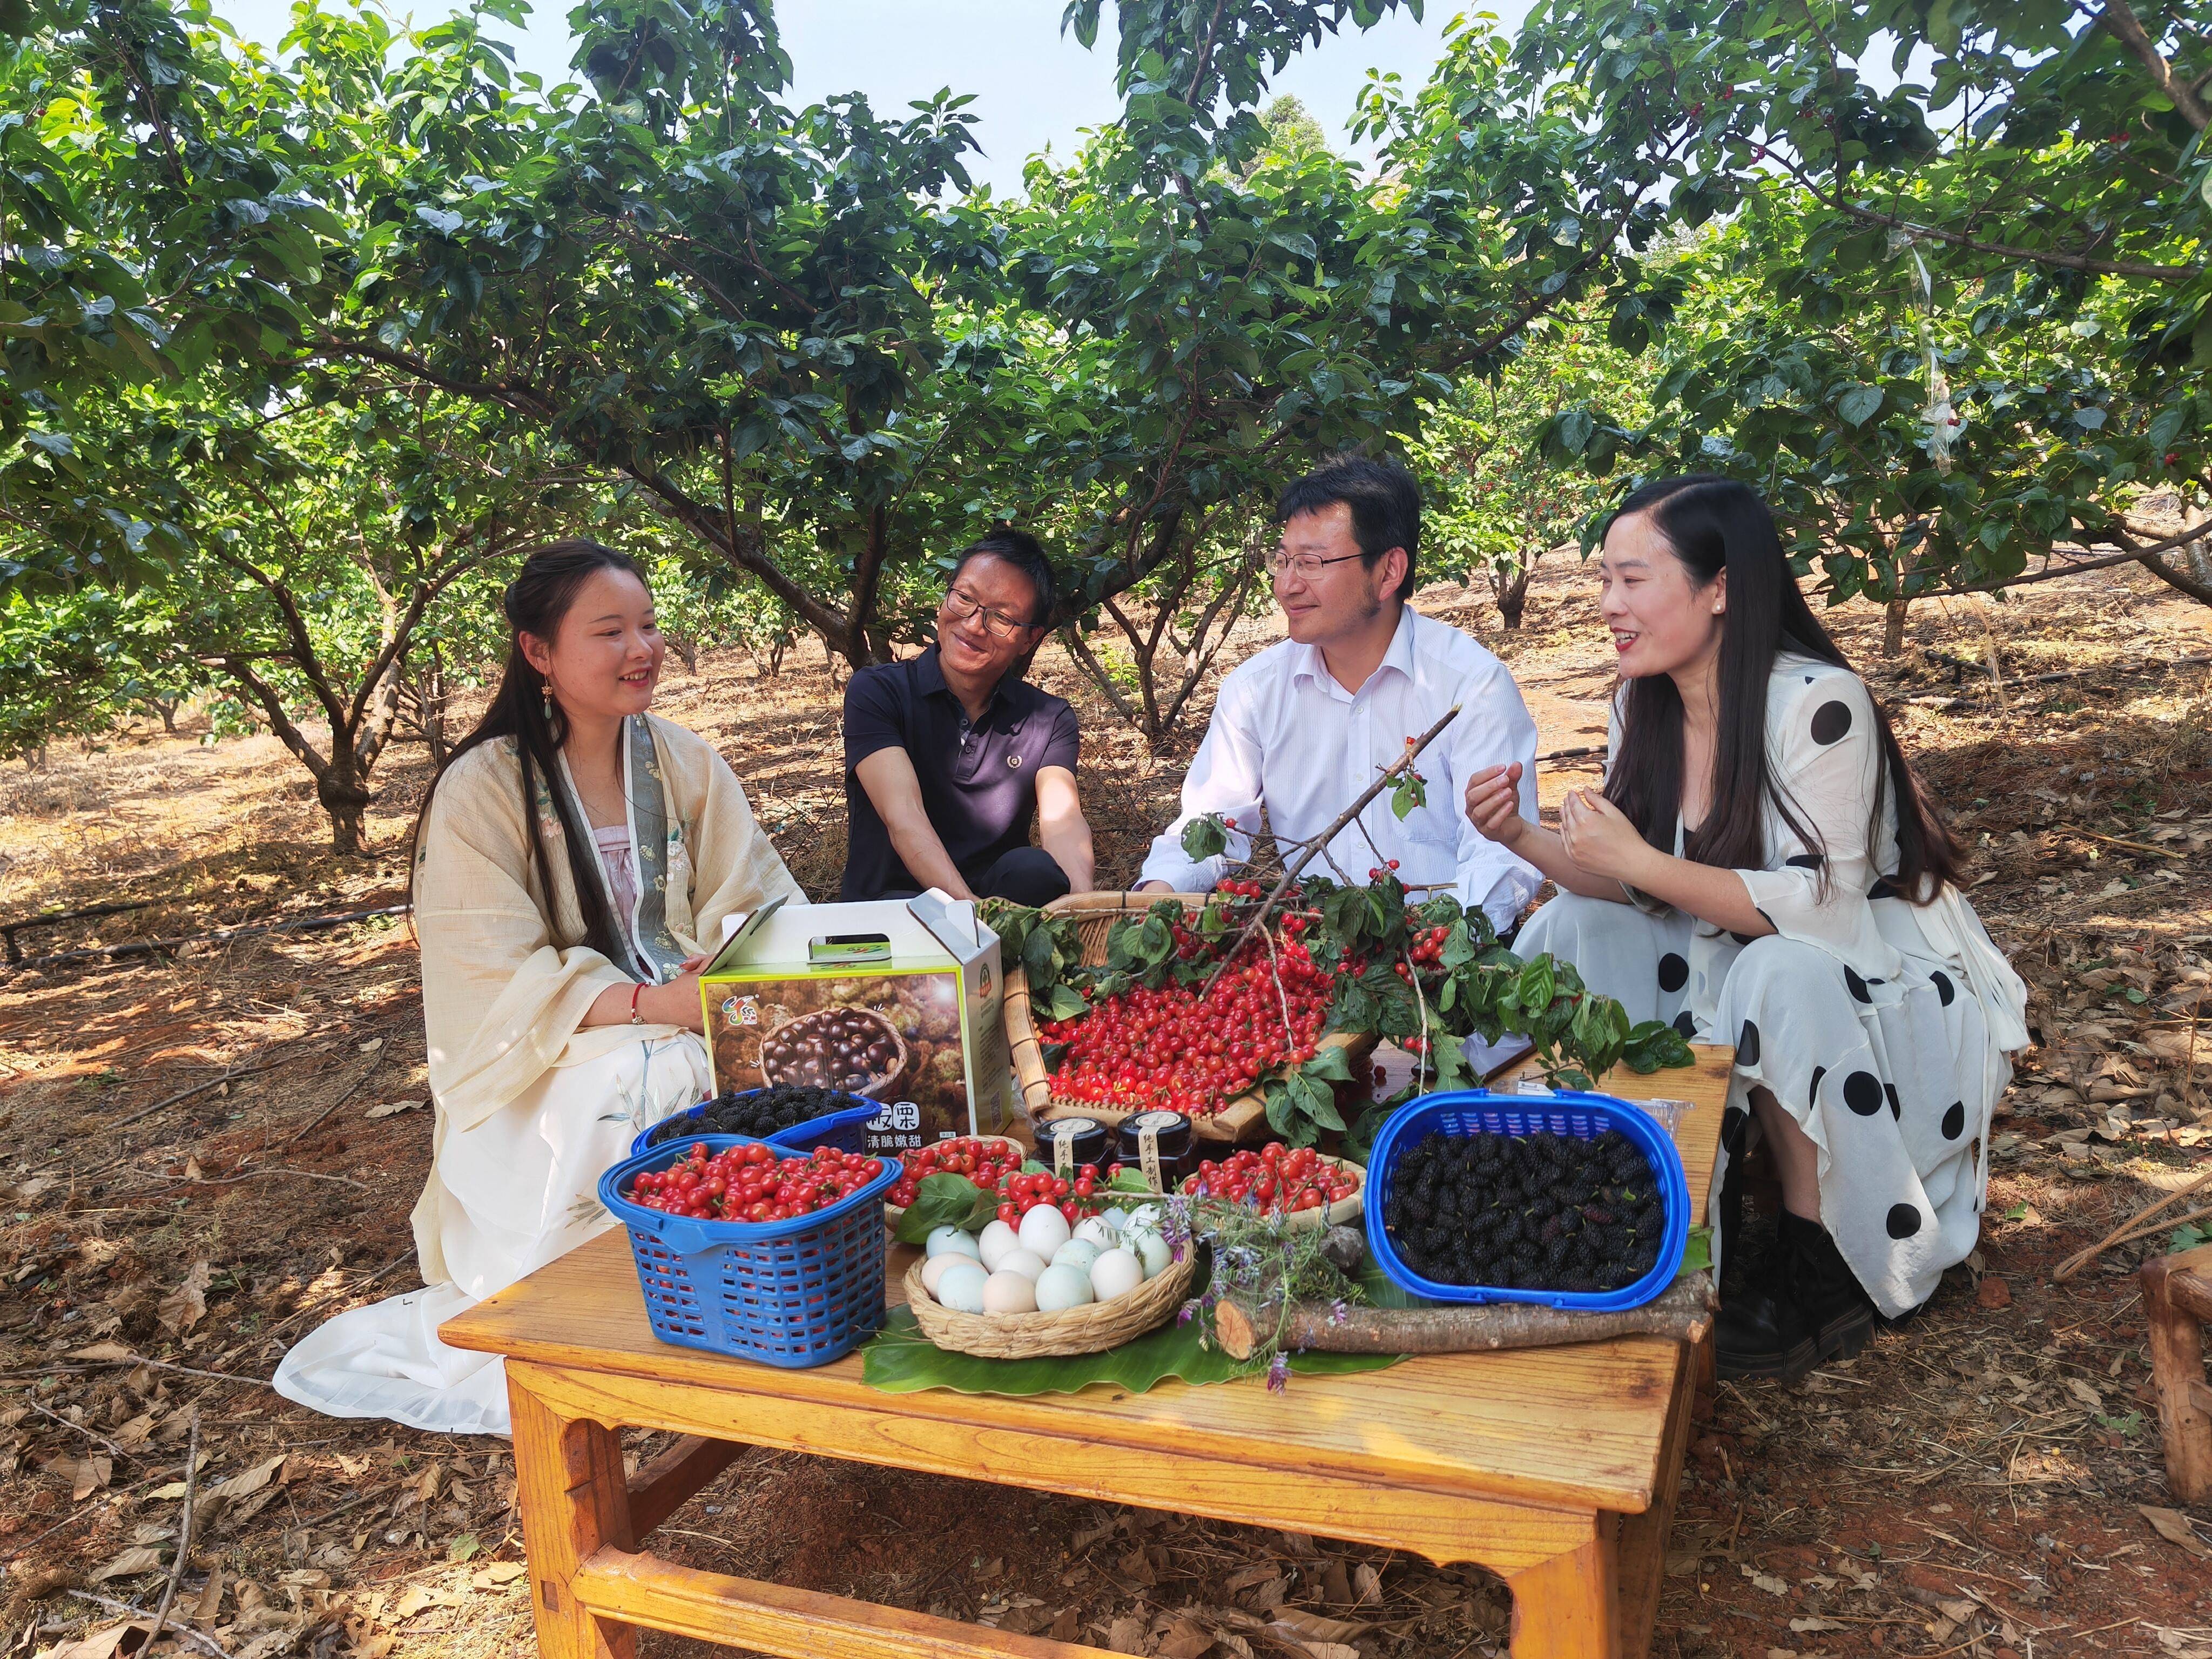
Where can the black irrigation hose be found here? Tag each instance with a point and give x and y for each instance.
(54, 918)
(154, 947)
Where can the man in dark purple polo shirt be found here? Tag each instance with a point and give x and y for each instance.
(952, 755)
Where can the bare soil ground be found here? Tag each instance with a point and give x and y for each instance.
(207, 1153)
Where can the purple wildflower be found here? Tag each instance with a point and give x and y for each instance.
(1339, 1312)
(1279, 1373)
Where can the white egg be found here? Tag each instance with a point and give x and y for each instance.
(1117, 1273)
(1058, 1288)
(960, 1286)
(1146, 1219)
(1098, 1230)
(1006, 1293)
(1028, 1263)
(1115, 1217)
(942, 1239)
(997, 1239)
(1044, 1229)
(933, 1269)
(1077, 1253)
(1152, 1250)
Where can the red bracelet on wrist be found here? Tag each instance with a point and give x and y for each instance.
(635, 992)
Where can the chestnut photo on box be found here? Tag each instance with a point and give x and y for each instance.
(849, 1048)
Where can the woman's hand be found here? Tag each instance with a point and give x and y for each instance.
(676, 1003)
(1598, 837)
(1493, 804)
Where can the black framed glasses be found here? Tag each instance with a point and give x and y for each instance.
(959, 607)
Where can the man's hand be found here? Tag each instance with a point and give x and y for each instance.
(1600, 839)
(1493, 804)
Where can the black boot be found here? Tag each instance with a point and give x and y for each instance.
(1798, 1308)
(1835, 1310)
(1760, 1331)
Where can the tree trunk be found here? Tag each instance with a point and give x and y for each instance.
(430, 701)
(343, 793)
(1512, 598)
(1892, 628)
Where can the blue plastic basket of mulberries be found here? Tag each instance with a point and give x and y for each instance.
(846, 1130)
(1479, 1112)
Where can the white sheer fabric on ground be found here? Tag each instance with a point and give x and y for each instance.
(509, 1195)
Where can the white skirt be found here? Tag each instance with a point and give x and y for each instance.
(504, 1198)
(1893, 1083)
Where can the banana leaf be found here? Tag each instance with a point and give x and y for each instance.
(900, 1359)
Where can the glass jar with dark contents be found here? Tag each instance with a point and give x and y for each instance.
(1065, 1145)
(1158, 1143)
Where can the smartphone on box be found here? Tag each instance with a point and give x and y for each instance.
(849, 947)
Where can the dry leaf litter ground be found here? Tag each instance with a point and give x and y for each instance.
(206, 1155)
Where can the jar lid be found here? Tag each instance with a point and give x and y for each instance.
(1157, 1119)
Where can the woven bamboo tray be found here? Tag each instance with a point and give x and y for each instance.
(1241, 1119)
(1092, 1328)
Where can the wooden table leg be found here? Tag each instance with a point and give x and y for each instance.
(1566, 1608)
(569, 1487)
(1706, 1381)
(2173, 1302)
(1643, 1537)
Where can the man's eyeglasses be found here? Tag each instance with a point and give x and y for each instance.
(959, 607)
(1305, 566)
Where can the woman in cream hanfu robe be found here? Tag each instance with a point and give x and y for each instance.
(532, 1104)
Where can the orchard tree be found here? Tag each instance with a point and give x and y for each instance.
(1971, 310)
(1233, 309)
(1496, 497)
(723, 301)
(1913, 437)
(312, 544)
(75, 663)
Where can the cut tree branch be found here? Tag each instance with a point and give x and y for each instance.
(1313, 845)
(1682, 1312)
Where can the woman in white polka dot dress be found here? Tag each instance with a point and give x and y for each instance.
(1762, 868)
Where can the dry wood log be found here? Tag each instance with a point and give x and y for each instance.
(1683, 1311)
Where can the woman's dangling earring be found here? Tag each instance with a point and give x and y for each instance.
(545, 692)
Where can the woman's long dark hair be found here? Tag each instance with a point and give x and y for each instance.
(1715, 524)
(535, 602)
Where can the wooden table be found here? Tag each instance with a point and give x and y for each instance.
(1555, 1468)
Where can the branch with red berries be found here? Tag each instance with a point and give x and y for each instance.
(1398, 776)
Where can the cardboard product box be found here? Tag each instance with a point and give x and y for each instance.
(896, 1001)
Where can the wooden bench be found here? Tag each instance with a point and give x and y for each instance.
(1557, 1468)
(2177, 1296)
